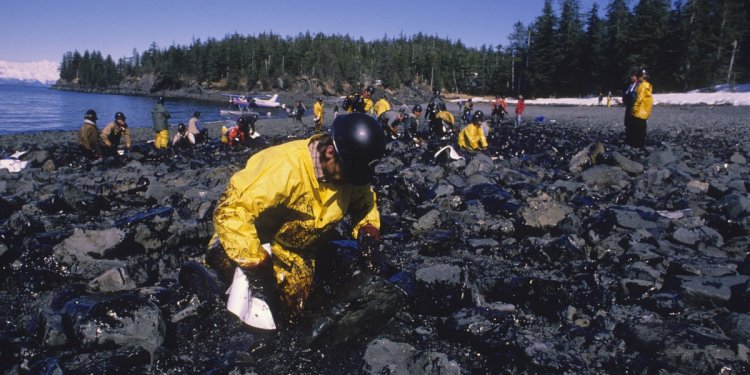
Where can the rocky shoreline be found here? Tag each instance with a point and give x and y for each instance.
(560, 250)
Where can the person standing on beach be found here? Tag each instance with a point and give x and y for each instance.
(88, 136)
(113, 133)
(520, 107)
(466, 110)
(196, 128)
(293, 196)
(628, 98)
(335, 110)
(159, 116)
(644, 102)
(434, 106)
(318, 115)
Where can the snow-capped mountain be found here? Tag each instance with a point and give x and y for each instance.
(37, 72)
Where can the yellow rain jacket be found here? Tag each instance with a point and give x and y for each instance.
(368, 106)
(447, 117)
(381, 106)
(472, 138)
(277, 199)
(318, 112)
(644, 101)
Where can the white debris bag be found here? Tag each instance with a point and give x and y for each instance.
(450, 152)
(252, 311)
(12, 164)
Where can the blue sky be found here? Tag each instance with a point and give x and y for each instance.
(32, 30)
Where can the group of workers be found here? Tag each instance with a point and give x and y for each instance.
(400, 124)
(277, 214)
(292, 196)
(97, 145)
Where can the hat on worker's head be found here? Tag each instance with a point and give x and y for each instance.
(359, 142)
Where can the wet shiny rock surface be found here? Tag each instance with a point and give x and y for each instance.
(559, 250)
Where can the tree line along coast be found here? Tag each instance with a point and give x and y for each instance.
(567, 53)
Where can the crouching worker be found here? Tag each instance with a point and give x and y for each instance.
(241, 132)
(113, 133)
(472, 136)
(88, 139)
(442, 124)
(195, 127)
(183, 138)
(293, 196)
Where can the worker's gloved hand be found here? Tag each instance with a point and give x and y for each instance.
(369, 242)
(261, 280)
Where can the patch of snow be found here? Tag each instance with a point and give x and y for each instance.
(688, 98)
(44, 72)
(736, 95)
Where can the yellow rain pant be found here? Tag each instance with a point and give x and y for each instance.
(162, 139)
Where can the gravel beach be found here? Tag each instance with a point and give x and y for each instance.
(559, 250)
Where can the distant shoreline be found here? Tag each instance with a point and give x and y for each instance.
(213, 96)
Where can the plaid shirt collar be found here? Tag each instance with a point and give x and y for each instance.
(317, 167)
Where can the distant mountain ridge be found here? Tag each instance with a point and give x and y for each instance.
(31, 73)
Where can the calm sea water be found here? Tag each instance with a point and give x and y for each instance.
(31, 109)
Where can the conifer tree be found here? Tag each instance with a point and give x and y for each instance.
(570, 75)
(543, 53)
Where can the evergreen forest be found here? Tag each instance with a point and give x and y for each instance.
(565, 51)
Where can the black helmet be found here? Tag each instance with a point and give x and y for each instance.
(360, 143)
(416, 108)
(90, 115)
(370, 89)
(181, 128)
(477, 117)
(642, 73)
(436, 92)
(120, 116)
(196, 114)
(160, 100)
(320, 99)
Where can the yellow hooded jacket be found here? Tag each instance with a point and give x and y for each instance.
(644, 101)
(318, 111)
(277, 199)
(381, 106)
(368, 106)
(446, 117)
(472, 138)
